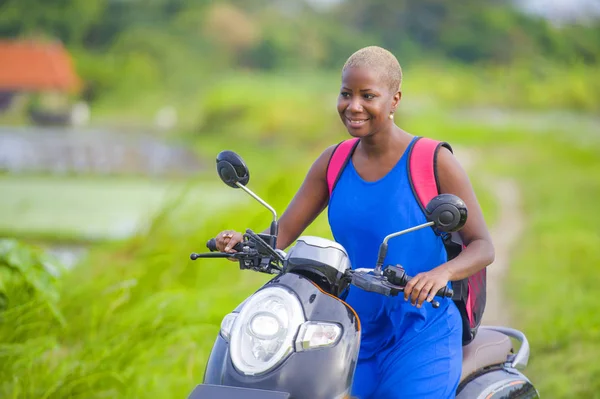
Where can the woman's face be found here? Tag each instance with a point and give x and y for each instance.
(365, 102)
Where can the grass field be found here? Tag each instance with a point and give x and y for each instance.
(554, 276)
(87, 208)
(137, 318)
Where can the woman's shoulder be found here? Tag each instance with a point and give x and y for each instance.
(449, 170)
(326, 155)
(321, 163)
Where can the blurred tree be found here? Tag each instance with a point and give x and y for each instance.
(469, 31)
(177, 40)
(68, 20)
(231, 28)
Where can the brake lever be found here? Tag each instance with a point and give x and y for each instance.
(194, 255)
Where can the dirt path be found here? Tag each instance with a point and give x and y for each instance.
(505, 232)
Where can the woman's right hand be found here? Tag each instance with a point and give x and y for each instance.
(227, 239)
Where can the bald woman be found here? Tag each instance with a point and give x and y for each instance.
(408, 348)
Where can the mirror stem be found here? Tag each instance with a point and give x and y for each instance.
(384, 245)
(274, 228)
(273, 234)
(256, 197)
(399, 233)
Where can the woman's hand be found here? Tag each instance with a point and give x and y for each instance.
(424, 286)
(227, 239)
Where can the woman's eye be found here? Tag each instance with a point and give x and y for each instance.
(345, 94)
(369, 96)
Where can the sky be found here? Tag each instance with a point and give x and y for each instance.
(562, 10)
(556, 10)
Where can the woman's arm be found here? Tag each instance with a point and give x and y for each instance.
(479, 251)
(308, 203)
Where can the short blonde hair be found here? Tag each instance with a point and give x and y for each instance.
(380, 59)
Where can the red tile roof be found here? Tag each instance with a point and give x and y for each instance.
(36, 66)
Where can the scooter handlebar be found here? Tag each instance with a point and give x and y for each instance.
(445, 292)
(381, 285)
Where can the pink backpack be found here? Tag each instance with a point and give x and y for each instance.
(469, 293)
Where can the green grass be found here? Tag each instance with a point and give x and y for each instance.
(87, 208)
(554, 277)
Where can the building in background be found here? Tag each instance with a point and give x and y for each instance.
(44, 72)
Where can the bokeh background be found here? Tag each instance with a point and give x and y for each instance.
(111, 115)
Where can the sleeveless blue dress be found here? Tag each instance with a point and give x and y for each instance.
(405, 352)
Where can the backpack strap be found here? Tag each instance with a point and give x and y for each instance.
(422, 174)
(423, 178)
(422, 169)
(469, 293)
(338, 161)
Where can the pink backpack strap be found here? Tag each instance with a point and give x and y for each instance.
(422, 174)
(339, 158)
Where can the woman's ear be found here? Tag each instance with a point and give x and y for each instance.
(396, 100)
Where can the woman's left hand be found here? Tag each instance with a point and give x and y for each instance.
(424, 286)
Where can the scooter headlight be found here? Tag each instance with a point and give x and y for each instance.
(263, 334)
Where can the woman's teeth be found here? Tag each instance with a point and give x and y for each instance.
(357, 121)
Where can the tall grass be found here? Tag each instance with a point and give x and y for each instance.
(536, 87)
(554, 278)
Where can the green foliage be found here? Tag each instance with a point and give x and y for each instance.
(295, 108)
(554, 277)
(68, 20)
(27, 277)
(127, 49)
(539, 86)
(29, 294)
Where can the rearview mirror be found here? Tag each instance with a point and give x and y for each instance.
(232, 169)
(447, 212)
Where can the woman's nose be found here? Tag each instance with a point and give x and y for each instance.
(355, 105)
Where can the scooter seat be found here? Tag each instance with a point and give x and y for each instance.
(487, 349)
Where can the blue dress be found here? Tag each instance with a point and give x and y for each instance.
(405, 352)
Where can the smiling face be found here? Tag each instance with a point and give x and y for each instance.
(365, 102)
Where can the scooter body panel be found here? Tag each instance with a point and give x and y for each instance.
(497, 383)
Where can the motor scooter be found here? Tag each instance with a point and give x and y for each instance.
(296, 338)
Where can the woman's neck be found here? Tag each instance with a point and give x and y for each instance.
(383, 143)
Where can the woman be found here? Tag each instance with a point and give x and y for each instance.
(408, 348)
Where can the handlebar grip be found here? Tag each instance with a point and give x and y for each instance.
(445, 292)
(212, 245)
